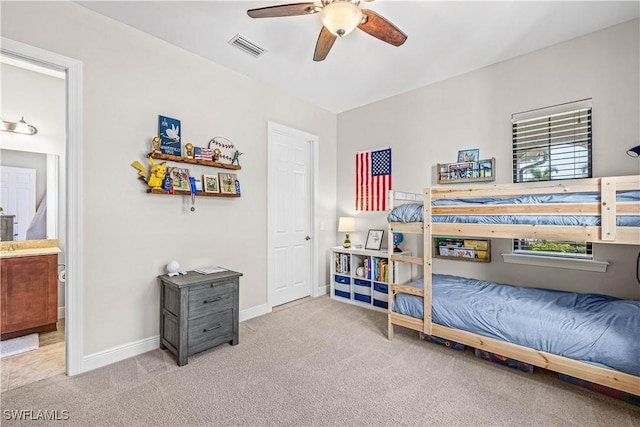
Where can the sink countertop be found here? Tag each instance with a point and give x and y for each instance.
(25, 248)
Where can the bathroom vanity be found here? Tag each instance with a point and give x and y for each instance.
(28, 288)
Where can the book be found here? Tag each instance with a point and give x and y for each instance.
(209, 270)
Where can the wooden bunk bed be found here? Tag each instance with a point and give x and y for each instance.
(605, 207)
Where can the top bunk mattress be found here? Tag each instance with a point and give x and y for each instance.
(413, 212)
(593, 328)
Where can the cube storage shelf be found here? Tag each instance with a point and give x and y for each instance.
(360, 276)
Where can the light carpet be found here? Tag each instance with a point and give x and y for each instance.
(319, 362)
(18, 345)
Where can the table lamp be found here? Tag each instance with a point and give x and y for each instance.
(346, 225)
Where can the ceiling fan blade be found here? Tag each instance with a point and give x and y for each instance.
(380, 28)
(284, 10)
(324, 44)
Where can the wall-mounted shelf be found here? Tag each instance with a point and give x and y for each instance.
(188, 193)
(459, 249)
(169, 157)
(458, 173)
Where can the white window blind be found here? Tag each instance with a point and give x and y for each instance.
(553, 143)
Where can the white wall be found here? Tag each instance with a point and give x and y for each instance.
(429, 125)
(129, 78)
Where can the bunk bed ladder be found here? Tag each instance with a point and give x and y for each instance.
(427, 257)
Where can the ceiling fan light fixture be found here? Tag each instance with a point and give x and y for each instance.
(341, 17)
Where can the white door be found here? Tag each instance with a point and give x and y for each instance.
(18, 197)
(290, 216)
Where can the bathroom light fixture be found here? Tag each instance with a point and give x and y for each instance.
(634, 152)
(19, 127)
(341, 17)
(346, 225)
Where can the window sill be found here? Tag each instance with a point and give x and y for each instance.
(546, 261)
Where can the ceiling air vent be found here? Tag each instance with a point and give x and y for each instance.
(246, 45)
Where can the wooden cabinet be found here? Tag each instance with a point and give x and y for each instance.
(457, 173)
(198, 312)
(360, 276)
(7, 227)
(29, 290)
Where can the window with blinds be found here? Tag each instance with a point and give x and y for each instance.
(552, 143)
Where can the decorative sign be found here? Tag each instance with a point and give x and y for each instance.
(169, 133)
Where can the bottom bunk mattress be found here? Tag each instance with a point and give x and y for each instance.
(593, 328)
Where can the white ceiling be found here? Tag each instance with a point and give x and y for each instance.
(445, 39)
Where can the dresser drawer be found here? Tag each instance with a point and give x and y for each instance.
(211, 298)
(209, 331)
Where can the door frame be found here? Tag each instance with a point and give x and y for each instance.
(273, 127)
(73, 212)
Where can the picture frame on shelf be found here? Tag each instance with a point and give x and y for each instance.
(470, 155)
(227, 183)
(211, 184)
(180, 178)
(484, 168)
(374, 240)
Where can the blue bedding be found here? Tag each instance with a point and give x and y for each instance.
(593, 328)
(413, 212)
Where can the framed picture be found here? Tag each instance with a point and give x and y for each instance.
(180, 178)
(374, 240)
(227, 183)
(468, 155)
(210, 184)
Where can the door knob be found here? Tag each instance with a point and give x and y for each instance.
(307, 238)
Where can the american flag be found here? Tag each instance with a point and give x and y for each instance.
(373, 179)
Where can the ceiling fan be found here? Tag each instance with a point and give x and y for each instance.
(339, 18)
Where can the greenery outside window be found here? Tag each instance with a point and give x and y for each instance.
(549, 144)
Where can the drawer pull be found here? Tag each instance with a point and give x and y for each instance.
(219, 325)
(207, 301)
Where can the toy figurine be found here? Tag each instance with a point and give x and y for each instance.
(156, 175)
(236, 157)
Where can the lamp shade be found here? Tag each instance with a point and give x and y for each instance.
(634, 152)
(341, 17)
(346, 224)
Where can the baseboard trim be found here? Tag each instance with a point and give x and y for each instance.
(116, 354)
(323, 290)
(60, 312)
(252, 312)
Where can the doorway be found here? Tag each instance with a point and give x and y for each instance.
(72, 70)
(292, 189)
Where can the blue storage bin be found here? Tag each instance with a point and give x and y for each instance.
(342, 294)
(341, 289)
(363, 298)
(381, 295)
(362, 290)
(342, 279)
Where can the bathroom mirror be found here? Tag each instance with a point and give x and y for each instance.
(29, 186)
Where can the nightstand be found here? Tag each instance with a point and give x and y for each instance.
(198, 312)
